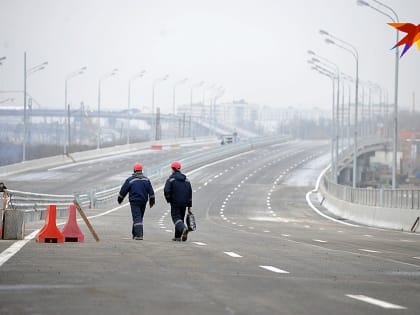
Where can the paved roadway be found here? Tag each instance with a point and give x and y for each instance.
(259, 249)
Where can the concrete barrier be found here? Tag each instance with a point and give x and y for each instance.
(92, 154)
(390, 218)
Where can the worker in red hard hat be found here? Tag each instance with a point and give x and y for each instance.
(178, 193)
(140, 191)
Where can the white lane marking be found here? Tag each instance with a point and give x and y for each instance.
(376, 302)
(319, 241)
(416, 257)
(200, 243)
(308, 200)
(266, 231)
(285, 235)
(17, 246)
(368, 250)
(169, 231)
(367, 235)
(274, 269)
(232, 254)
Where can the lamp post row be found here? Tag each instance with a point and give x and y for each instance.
(334, 40)
(27, 72)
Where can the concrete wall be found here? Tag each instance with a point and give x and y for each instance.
(86, 155)
(390, 218)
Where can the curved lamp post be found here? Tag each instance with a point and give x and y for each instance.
(26, 74)
(67, 133)
(331, 39)
(173, 93)
(394, 17)
(134, 77)
(102, 78)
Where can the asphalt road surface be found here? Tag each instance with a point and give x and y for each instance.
(258, 249)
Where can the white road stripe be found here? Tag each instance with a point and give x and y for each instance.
(285, 235)
(319, 241)
(274, 269)
(368, 250)
(232, 254)
(416, 257)
(199, 243)
(376, 302)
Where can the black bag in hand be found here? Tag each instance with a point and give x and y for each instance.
(191, 222)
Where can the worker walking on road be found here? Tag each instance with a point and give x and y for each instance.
(178, 193)
(140, 191)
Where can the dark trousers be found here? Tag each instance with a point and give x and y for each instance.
(137, 211)
(178, 216)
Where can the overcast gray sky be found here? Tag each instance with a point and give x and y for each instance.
(257, 50)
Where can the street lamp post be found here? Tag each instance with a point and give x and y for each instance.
(153, 103)
(173, 94)
(199, 84)
(102, 78)
(137, 76)
(395, 19)
(353, 51)
(335, 110)
(67, 133)
(333, 77)
(26, 74)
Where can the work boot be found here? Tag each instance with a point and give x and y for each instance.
(138, 238)
(176, 239)
(184, 235)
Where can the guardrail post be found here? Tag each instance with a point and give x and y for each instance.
(381, 197)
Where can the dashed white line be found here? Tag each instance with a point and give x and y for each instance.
(274, 269)
(376, 302)
(319, 241)
(200, 243)
(369, 250)
(232, 254)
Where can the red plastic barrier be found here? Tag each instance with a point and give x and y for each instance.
(71, 230)
(156, 147)
(49, 233)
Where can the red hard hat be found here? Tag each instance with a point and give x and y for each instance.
(176, 165)
(137, 167)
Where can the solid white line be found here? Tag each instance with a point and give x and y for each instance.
(369, 250)
(274, 269)
(232, 254)
(15, 247)
(308, 200)
(319, 241)
(199, 243)
(376, 302)
(285, 235)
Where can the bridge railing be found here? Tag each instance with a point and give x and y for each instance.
(388, 198)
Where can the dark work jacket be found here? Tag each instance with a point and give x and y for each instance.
(178, 190)
(139, 188)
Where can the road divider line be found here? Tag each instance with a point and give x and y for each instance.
(319, 241)
(376, 302)
(311, 205)
(274, 269)
(232, 254)
(369, 250)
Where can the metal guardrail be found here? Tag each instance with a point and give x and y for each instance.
(35, 204)
(383, 197)
(388, 198)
